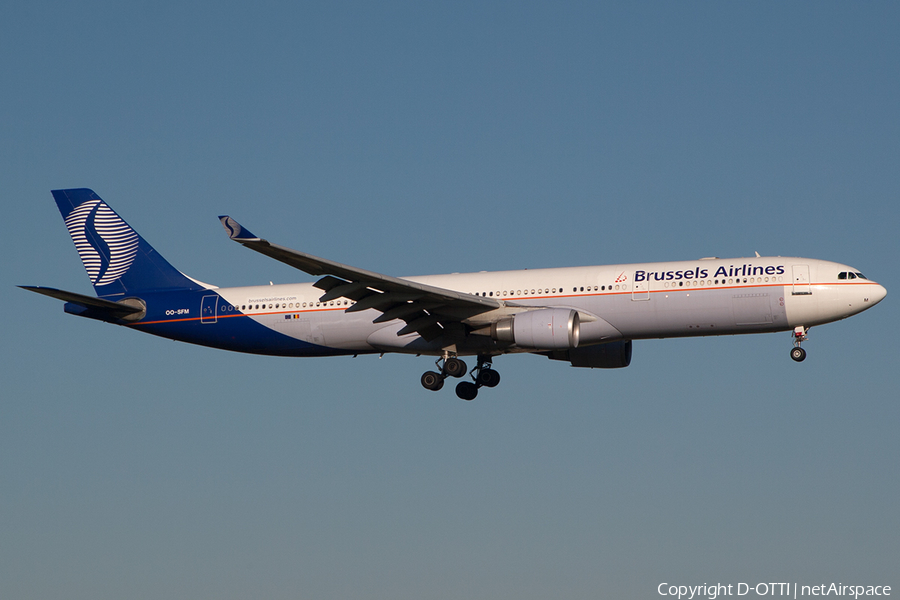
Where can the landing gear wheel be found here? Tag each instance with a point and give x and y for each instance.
(488, 378)
(466, 390)
(432, 381)
(454, 367)
(798, 354)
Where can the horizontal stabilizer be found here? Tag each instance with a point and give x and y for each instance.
(115, 309)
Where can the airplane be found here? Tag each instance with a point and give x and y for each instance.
(587, 316)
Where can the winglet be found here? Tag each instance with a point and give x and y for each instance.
(236, 231)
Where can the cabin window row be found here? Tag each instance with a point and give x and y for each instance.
(710, 282)
(539, 291)
(604, 288)
(283, 305)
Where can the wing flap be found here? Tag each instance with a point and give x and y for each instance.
(404, 311)
(420, 324)
(354, 291)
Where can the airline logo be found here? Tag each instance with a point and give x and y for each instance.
(106, 244)
(730, 271)
(232, 226)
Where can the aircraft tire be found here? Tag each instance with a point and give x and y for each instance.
(488, 378)
(466, 390)
(454, 367)
(432, 381)
(798, 354)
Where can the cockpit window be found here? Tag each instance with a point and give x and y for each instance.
(851, 275)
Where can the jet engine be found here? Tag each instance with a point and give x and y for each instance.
(542, 329)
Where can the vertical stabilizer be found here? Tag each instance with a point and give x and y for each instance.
(117, 259)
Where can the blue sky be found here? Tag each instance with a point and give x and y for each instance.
(415, 138)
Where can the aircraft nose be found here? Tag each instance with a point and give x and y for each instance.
(878, 295)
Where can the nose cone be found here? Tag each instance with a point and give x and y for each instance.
(877, 294)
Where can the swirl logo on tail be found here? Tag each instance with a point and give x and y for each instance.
(233, 227)
(106, 244)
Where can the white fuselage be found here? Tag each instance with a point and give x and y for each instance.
(652, 300)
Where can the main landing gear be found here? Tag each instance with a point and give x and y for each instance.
(798, 353)
(482, 376)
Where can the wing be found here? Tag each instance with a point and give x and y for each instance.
(427, 310)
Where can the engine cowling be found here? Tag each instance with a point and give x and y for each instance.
(542, 329)
(614, 355)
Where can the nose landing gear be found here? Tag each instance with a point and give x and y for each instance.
(798, 353)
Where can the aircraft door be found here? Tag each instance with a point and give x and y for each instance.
(640, 290)
(801, 280)
(208, 309)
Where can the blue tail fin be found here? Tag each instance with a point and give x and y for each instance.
(117, 259)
